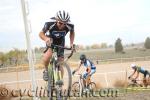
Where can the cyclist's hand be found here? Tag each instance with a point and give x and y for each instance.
(48, 41)
(129, 77)
(73, 72)
(85, 75)
(134, 80)
(72, 46)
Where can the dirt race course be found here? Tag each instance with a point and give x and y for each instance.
(106, 75)
(128, 96)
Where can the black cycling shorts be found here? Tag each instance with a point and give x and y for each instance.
(60, 51)
(146, 73)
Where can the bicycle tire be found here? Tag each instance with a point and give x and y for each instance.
(133, 85)
(77, 88)
(50, 83)
(69, 83)
(92, 86)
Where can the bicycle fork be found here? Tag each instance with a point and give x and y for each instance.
(57, 73)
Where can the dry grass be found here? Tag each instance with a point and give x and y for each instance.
(73, 64)
(98, 85)
(119, 83)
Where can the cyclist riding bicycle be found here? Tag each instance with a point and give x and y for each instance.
(90, 69)
(54, 32)
(139, 69)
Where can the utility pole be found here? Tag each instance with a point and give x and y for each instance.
(25, 12)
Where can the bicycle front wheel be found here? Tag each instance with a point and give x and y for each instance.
(76, 87)
(50, 83)
(66, 78)
(133, 85)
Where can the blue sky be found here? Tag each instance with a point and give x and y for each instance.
(96, 21)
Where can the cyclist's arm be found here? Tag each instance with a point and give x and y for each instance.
(43, 36)
(133, 73)
(72, 35)
(78, 67)
(45, 29)
(137, 75)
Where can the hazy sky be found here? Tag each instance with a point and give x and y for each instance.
(96, 21)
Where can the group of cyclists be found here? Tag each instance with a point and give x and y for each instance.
(54, 31)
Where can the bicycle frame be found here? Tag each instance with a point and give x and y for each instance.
(79, 86)
(80, 80)
(134, 82)
(54, 72)
(54, 60)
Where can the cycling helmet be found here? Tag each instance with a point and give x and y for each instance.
(82, 57)
(132, 65)
(63, 16)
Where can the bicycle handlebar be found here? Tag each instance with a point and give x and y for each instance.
(80, 75)
(57, 46)
(132, 79)
(77, 74)
(62, 47)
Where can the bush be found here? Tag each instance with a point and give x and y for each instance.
(98, 85)
(118, 46)
(147, 43)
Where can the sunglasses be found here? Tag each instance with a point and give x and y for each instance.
(61, 23)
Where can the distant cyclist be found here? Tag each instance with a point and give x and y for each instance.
(54, 32)
(139, 69)
(90, 69)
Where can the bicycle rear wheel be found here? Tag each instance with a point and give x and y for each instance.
(92, 86)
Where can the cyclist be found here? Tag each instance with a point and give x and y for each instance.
(90, 69)
(54, 32)
(139, 69)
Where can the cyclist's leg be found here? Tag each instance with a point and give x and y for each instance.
(46, 58)
(85, 74)
(91, 73)
(88, 80)
(148, 78)
(145, 78)
(146, 74)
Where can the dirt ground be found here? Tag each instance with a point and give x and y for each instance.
(105, 76)
(128, 96)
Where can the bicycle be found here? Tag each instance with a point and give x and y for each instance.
(78, 86)
(55, 86)
(133, 83)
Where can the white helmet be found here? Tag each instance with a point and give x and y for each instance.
(133, 66)
(63, 16)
